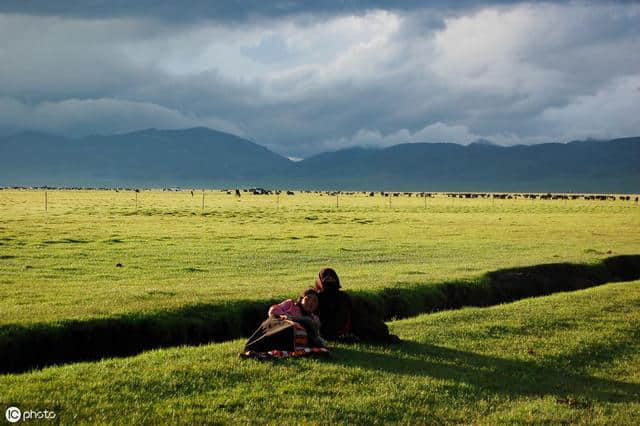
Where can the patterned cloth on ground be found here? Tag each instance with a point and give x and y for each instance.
(277, 354)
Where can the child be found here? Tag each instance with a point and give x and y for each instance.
(302, 312)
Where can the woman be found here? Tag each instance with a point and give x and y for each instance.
(343, 316)
(335, 306)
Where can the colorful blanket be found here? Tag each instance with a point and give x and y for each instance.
(280, 338)
(277, 354)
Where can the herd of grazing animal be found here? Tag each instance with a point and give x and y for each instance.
(465, 195)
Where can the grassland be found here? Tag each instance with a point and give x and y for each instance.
(566, 358)
(60, 264)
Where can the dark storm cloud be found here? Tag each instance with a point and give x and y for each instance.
(324, 75)
(190, 10)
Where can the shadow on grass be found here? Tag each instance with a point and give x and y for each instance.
(490, 375)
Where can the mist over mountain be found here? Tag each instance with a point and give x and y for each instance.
(201, 157)
(483, 142)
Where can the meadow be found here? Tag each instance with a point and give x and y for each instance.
(93, 258)
(61, 264)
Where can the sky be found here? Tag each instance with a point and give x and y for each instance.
(306, 77)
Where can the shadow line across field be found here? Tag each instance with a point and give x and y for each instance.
(25, 347)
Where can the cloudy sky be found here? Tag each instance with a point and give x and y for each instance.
(305, 77)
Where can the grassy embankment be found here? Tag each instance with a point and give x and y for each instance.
(566, 358)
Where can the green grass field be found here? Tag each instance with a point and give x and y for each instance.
(564, 358)
(61, 264)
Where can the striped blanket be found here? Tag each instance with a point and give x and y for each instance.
(276, 354)
(280, 338)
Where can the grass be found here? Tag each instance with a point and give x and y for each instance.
(23, 347)
(565, 358)
(62, 264)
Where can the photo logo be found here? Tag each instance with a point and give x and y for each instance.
(13, 414)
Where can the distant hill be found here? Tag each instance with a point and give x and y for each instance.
(201, 157)
(588, 166)
(197, 156)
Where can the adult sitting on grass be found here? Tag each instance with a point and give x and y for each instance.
(346, 317)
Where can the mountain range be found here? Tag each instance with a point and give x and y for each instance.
(201, 157)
